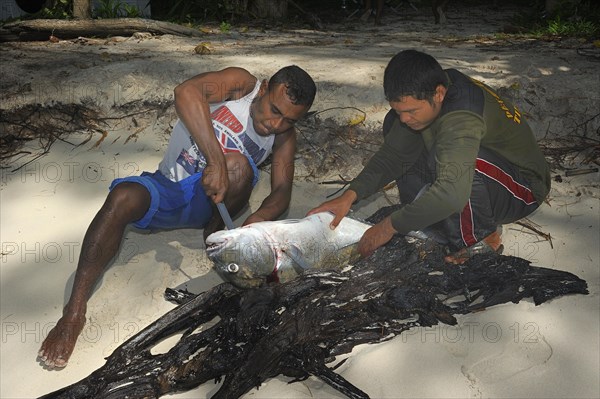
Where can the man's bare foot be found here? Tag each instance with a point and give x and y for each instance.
(60, 342)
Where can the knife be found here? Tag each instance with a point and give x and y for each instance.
(225, 216)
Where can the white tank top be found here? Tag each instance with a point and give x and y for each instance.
(234, 130)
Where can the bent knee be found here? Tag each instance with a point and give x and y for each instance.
(128, 201)
(239, 169)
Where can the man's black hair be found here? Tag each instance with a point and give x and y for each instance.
(300, 87)
(413, 73)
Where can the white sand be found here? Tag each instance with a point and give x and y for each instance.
(513, 350)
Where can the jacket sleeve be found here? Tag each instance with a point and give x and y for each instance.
(397, 154)
(456, 145)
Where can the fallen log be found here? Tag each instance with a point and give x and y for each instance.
(296, 328)
(42, 29)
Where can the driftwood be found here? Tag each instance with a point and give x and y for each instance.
(42, 29)
(295, 329)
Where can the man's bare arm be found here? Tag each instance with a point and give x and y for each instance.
(192, 99)
(282, 177)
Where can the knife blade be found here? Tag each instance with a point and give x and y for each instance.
(225, 216)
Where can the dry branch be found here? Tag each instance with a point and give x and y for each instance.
(295, 329)
(42, 29)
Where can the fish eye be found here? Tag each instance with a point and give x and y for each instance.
(233, 268)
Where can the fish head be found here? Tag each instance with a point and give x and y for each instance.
(243, 256)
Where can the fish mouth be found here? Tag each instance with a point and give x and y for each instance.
(214, 247)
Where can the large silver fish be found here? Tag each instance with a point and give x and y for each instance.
(262, 252)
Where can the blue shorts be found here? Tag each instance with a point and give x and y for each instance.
(173, 205)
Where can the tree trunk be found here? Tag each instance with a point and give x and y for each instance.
(271, 9)
(41, 29)
(295, 328)
(82, 9)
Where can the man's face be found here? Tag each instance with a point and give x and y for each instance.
(272, 111)
(418, 114)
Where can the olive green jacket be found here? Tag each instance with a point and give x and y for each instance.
(472, 115)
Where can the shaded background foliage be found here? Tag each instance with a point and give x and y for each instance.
(580, 18)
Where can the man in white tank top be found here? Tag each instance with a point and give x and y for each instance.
(229, 122)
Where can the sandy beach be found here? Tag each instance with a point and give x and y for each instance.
(46, 202)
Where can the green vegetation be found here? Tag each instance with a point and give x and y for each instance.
(194, 11)
(559, 27)
(116, 9)
(569, 19)
(225, 27)
(59, 9)
(63, 9)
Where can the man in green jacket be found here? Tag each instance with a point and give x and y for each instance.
(465, 161)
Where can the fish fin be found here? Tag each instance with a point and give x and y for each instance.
(352, 251)
(299, 264)
(340, 258)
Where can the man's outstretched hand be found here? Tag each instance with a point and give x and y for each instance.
(375, 237)
(339, 206)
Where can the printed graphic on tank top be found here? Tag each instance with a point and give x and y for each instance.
(233, 129)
